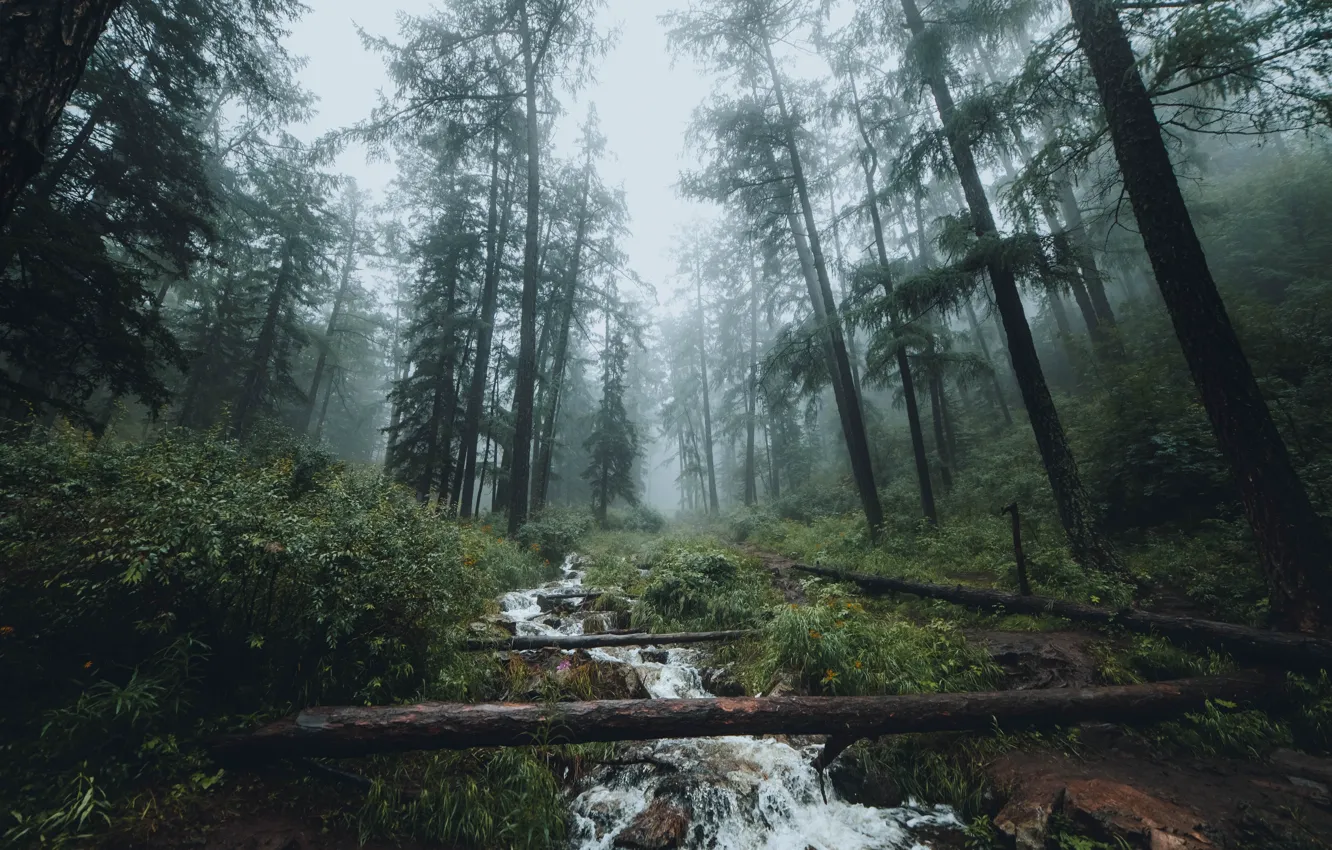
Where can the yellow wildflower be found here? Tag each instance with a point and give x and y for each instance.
(829, 676)
(859, 665)
(814, 634)
(87, 665)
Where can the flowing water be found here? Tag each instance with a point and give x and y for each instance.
(742, 793)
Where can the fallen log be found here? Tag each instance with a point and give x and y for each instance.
(579, 595)
(604, 639)
(348, 731)
(1283, 650)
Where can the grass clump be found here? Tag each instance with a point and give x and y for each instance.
(697, 587)
(835, 647)
(480, 798)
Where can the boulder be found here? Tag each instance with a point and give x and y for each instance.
(853, 783)
(1112, 810)
(1025, 818)
(720, 681)
(661, 826)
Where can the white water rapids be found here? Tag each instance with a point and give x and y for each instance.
(742, 793)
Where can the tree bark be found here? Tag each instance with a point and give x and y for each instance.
(1291, 538)
(751, 394)
(44, 47)
(1285, 650)
(344, 285)
(714, 507)
(545, 458)
(940, 438)
(526, 642)
(353, 731)
(1088, 547)
(256, 380)
(870, 164)
(524, 385)
(497, 232)
(848, 400)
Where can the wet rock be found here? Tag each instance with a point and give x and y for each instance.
(1303, 766)
(722, 682)
(547, 604)
(780, 686)
(608, 679)
(1025, 818)
(855, 784)
(661, 826)
(495, 622)
(595, 624)
(1111, 810)
(655, 656)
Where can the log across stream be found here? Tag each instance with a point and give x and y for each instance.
(343, 731)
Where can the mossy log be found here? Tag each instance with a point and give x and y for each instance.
(1284, 650)
(605, 639)
(350, 731)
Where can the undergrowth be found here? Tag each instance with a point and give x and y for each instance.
(155, 594)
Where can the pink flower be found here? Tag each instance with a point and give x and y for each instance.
(564, 665)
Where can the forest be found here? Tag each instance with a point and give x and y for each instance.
(739, 424)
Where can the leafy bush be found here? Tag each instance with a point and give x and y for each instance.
(702, 588)
(148, 592)
(835, 647)
(554, 533)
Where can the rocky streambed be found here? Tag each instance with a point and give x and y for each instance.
(730, 793)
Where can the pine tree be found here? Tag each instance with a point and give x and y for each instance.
(612, 445)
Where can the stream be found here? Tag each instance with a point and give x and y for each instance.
(730, 793)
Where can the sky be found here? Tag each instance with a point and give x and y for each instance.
(644, 105)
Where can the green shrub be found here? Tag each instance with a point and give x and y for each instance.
(834, 646)
(554, 533)
(151, 593)
(702, 588)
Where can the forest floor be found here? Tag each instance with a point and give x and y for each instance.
(1116, 786)
(1099, 786)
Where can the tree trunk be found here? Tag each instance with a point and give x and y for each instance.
(870, 163)
(979, 334)
(353, 731)
(323, 409)
(714, 507)
(344, 285)
(443, 385)
(1246, 645)
(1089, 548)
(940, 441)
(524, 385)
(853, 353)
(844, 389)
(44, 47)
(1290, 535)
(545, 458)
(256, 380)
(496, 237)
(751, 394)
(1091, 272)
